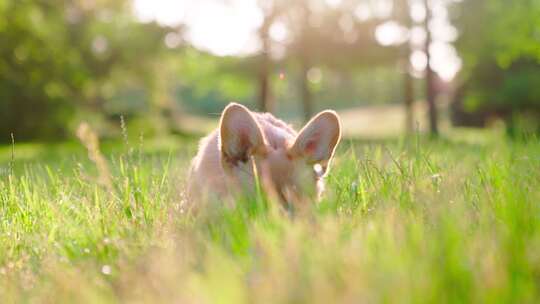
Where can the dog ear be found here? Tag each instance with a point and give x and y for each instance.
(240, 134)
(317, 141)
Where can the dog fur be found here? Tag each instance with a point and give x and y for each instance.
(288, 164)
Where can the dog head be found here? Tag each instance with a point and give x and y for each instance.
(292, 170)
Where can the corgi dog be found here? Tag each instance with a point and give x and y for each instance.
(248, 147)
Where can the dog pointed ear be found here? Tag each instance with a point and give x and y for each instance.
(319, 138)
(240, 134)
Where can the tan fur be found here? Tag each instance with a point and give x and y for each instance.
(283, 160)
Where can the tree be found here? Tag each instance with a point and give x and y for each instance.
(501, 58)
(271, 11)
(305, 60)
(265, 98)
(403, 15)
(430, 75)
(58, 56)
(320, 40)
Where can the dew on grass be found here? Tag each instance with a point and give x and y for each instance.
(106, 270)
(354, 187)
(436, 176)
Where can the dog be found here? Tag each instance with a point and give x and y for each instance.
(250, 149)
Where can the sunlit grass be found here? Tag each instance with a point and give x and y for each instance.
(403, 221)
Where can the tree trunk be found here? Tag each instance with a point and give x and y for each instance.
(402, 12)
(265, 99)
(305, 65)
(307, 99)
(408, 98)
(430, 77)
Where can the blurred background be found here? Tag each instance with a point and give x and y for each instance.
(389, 67)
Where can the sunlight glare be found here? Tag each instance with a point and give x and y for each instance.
(418, 12)
(225, 28)
(229, 28)
(445, 60)
(418, 36)
(222, 28)
(173, 40)
(390, 33)
(418, 60)
(166, 12)
(382, 8)
(362, 12)
(279, 32)
(333, 3)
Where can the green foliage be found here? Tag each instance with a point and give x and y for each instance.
(499, 44)
(63, 61)
(59, 56)
(402, 221)
(207, 83)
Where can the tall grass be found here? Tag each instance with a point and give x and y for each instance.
(404, 221)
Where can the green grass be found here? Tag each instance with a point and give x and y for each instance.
(446, 221)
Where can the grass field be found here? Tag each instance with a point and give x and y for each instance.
(446, 221)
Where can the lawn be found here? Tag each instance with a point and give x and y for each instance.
(446, 221)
